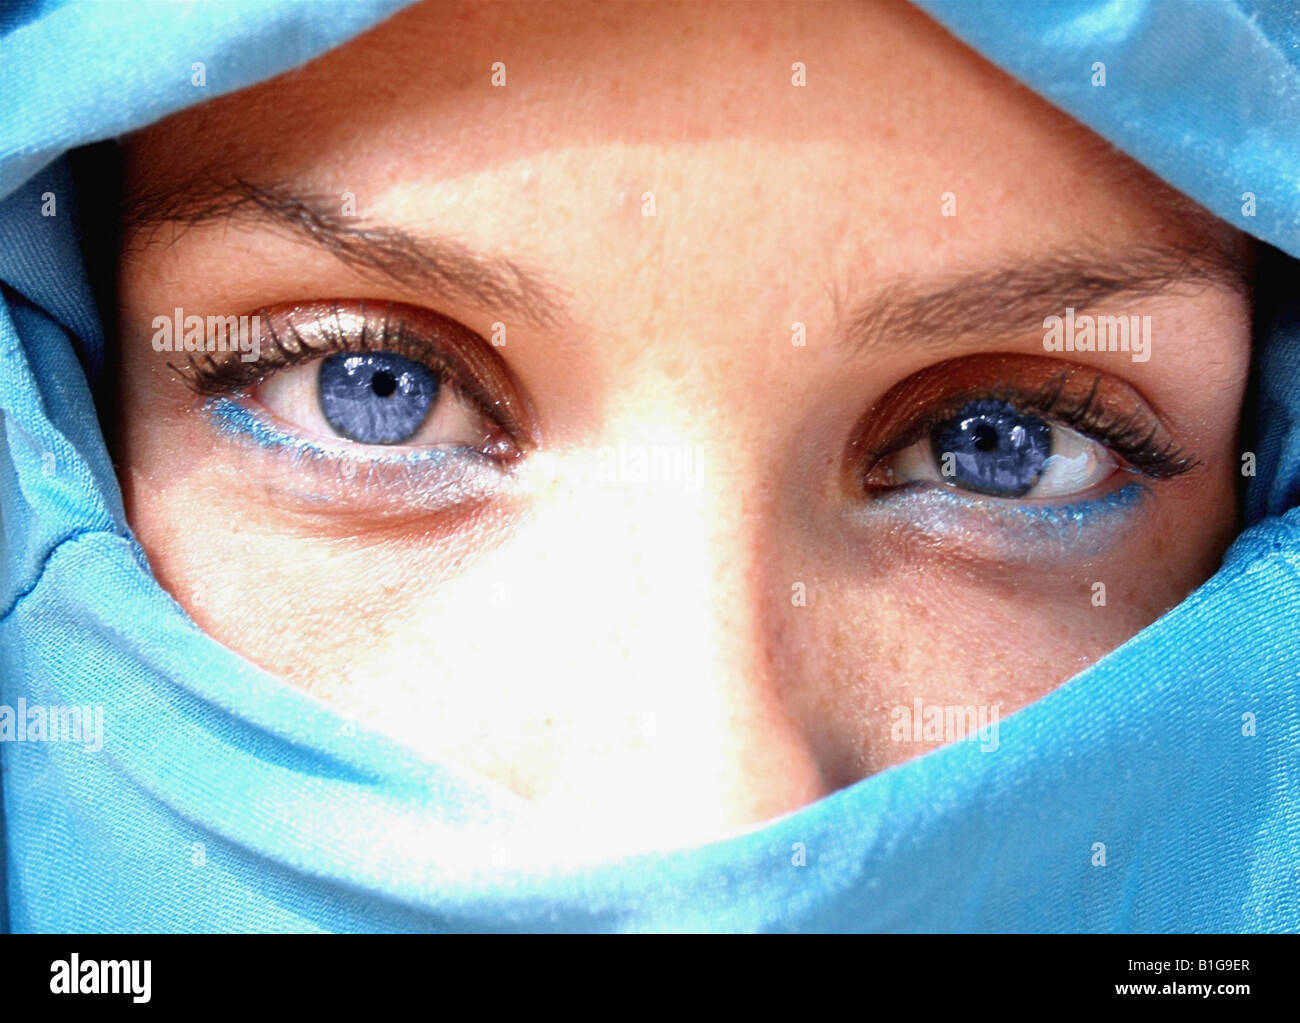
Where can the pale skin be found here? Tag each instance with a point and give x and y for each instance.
(655, 663)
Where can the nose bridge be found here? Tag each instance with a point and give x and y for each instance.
(655, 524)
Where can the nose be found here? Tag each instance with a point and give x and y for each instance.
(655, 561)
(635, 642)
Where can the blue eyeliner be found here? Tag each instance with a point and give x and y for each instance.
(1055, 516)
(230, 418)
(1009, 529)
(338, 477)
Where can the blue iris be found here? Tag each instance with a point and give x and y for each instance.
(995, 450)
(376, 397)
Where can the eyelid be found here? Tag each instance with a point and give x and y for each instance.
(298, 334)
(337, 484)
(1093, 403)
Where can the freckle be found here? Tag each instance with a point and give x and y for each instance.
(756, 38)
(674, 369)
(886, 659)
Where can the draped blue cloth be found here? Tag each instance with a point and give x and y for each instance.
(224, 799)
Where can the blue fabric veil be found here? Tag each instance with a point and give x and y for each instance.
(223, 799)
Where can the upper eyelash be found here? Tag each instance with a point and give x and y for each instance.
(211, 377)
(1131, 436)
(1128, 435)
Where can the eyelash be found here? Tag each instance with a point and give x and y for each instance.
(1131, 436)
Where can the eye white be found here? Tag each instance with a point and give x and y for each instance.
(1077, 463)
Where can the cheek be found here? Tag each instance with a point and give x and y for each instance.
(894, 623)
(327, 613)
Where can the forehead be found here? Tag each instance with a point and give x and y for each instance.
(698, 99)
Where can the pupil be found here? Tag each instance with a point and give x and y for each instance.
(383, 383)
(986, 438)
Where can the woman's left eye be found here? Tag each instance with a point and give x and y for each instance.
(373, 397)
(990, 447)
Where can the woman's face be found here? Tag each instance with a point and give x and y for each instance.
(654, 403)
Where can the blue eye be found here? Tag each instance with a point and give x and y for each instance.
(993, 449)
(376, 397)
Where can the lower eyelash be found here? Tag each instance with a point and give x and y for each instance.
(428, 479)
(1010, 530)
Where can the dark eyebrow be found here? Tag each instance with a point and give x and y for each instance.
(502, 286)
(1013, 298)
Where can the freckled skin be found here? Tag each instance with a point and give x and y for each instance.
(627, 654)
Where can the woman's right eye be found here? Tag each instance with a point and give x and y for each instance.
(375, 408)
(377, 398)
(353, 375)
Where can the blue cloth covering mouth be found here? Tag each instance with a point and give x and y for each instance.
(226, 800)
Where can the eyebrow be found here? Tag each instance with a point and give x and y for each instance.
(988, 303)
(504, 286)
(1016, 297)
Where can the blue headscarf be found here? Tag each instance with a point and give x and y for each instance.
(1159, 790)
